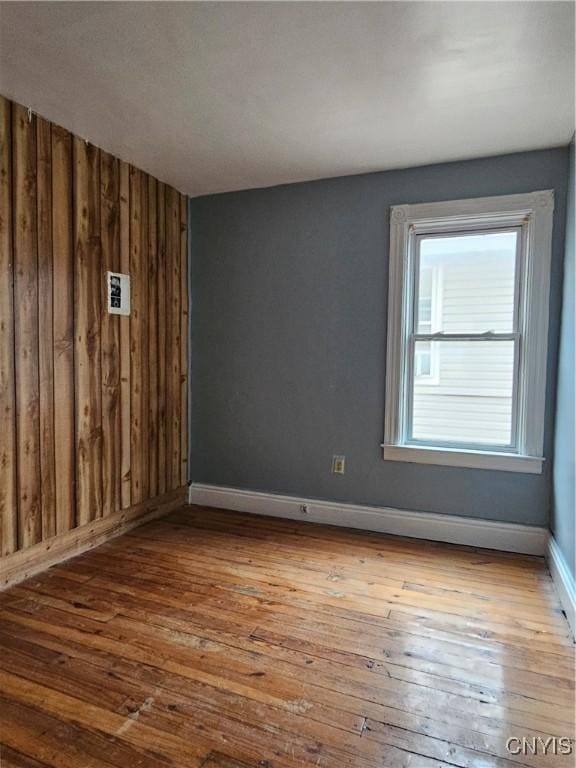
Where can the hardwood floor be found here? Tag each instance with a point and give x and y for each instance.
(216, 639)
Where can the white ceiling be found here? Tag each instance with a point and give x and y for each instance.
(220, 96)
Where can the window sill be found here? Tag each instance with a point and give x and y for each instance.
(452, 457)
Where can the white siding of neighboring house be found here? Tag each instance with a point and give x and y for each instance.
(469, 391)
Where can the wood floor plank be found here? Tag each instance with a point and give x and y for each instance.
(426, 646)
(61, 642)
(374, 586)
(217, 639)
(42, 737)
(371, 599)
(163, 571)
(227, 587)
(199, 695)
(72, 710)
(364, 563)
(11, 758)
(208, 598)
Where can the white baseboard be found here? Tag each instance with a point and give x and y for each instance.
(563, 581)
(489, 534)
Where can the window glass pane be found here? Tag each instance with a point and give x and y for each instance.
(425, 312)
(466, 283)
(423, 359)
(469, 400)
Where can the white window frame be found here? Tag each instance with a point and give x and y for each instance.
(533, 213)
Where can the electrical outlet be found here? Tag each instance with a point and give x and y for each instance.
(338, 464)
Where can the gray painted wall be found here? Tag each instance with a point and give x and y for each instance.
(564, 485)
(288, 320)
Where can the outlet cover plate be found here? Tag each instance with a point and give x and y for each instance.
(338, 464)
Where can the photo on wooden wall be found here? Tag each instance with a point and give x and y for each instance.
(118, 292)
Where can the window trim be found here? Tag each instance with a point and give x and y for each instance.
(533, 212)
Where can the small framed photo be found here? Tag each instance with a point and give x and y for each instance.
(118, 293)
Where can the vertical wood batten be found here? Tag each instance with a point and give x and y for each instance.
(46, 327)
(63, 308)
(110, 338)
(176, 327)
(183, 340)
(136, 335)
(26, 328)
(87, 331)
(170, 405)
(173, 367)
(8, 488)
(125, 384)
(143, 288)
(152, 336)
(163, 484)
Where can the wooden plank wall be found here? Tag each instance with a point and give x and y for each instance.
(92, 406)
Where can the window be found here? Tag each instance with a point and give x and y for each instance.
(467, 332)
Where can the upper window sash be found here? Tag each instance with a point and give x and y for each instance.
(531, 215)
(415, 267)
